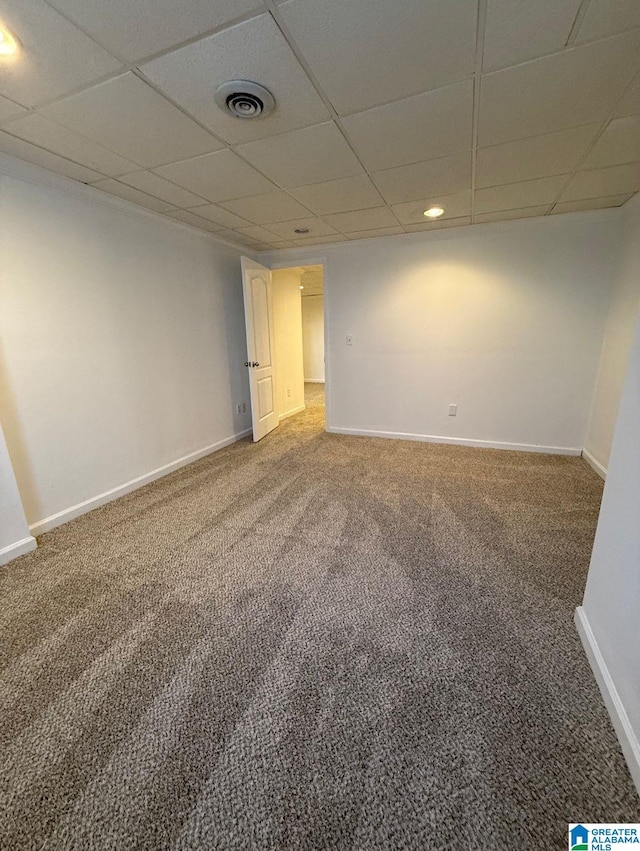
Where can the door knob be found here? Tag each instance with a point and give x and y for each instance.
(255, 363)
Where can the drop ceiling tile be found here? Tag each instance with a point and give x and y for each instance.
(280, 244)
(274, 206)
(232, 236)
(620, 143)
(577, 86)
(320, 240)
(254, 50)
(424, 127)
(504, 215)
(600, 182)
(608, 17)
(9, 109)
(246, 240)
(630, 103)
(537, 156)
(258, 233)
(445, 175)
(316, 227)
(216, 177)
(517, 30)
(374, 232)
(375, 217)
(364, 53)
(515, 196)
(38, 130)
(456, 222)
(56, 57)
(223, 218)
(455, 206)
(137, 29)
(591, 204)
(155, 185)
(113, 187)
(299, 157)
(127, 116)
(339, 196)
(32, 154)
(196, 221)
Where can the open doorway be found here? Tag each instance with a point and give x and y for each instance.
(285, 327)
(312, 298)
(298, 311)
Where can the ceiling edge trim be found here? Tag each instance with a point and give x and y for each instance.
(462, 231)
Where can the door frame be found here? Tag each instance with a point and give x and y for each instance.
(314, 260)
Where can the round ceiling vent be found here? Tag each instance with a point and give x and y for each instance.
(244, 99)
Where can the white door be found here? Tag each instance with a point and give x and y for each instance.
(258, 314)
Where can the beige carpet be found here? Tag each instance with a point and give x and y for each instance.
(316, 642)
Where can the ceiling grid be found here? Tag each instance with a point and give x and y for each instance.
(488, 108)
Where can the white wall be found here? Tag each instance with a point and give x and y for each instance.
(287, 329)
(617, 342)
(15, 538)
(505, 320)
(122, 344)
(313, 337)
(610, 619)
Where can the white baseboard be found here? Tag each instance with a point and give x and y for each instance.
(600, 469)
(96, 501)
(314, 381)
(619, 718)
(459, 441)
(292, 411)
(25, 545)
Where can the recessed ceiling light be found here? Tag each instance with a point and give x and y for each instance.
(301, 287)
(8, 44)
(434, 212)
(301, 230)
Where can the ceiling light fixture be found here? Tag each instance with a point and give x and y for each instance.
(301, 230)
(8, 44)
(244, 99)
(434, 212)
(301, 287)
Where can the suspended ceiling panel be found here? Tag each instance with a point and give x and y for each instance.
(492, 109)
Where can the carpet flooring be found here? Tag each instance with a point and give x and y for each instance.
(315, 642)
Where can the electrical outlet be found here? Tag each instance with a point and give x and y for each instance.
(349, 339)
(244, 407)
(288, 391)
(453, 410)
(239, 408)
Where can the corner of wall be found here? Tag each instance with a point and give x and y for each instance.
(623, 309)
(593, 462)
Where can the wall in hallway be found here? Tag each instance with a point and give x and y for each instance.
(287, 328)
(617, 342)
(608, 620)
(313, 337)
(506, 320)
(122, 343)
